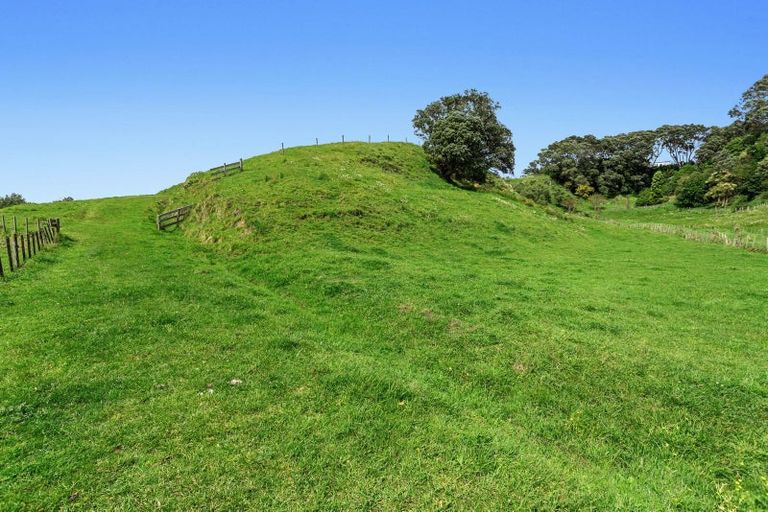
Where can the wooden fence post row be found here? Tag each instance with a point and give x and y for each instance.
(20, 247)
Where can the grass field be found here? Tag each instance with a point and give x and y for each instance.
(751, 222)
(402, 344)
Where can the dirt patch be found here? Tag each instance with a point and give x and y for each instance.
(405, 308)
(520, 368)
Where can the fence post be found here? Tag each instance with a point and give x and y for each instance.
(317, 143)
(26, 227)
(241, 164)
(8, 249)
(387, 137)
(342, 139)
(2, 273)
(16, 248)
(282, 147)
(369, 139)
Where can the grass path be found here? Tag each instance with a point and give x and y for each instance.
(591, 371)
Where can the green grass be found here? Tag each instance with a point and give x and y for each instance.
(749, 222)
(402, 345)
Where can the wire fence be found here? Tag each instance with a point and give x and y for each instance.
(750, 242)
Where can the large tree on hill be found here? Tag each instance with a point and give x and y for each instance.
(489, 146)
(752, 109)
(456, 147)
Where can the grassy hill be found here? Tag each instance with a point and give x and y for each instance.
(401, 344)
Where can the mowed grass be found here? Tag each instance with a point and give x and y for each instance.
(402, 345)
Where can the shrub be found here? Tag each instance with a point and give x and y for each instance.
(584, 190)
(598, 203)
(647, 197)
(691, 190)
(543, 190)
(739, 201)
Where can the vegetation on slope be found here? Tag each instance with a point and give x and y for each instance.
(402, 344)
(715, 165)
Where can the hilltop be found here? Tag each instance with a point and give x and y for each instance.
(336, 327)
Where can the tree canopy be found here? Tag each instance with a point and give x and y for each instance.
(618, 164)
(482, 141)
(752, 109)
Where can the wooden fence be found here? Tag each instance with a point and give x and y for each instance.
(173, 217)
(22, 245)
(225, 169)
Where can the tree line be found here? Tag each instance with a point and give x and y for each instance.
(692, 163)
(11, 199)
(708, 164)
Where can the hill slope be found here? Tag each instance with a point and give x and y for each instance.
(402, 344)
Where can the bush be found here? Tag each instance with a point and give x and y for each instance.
(543, 190)
(647, 197)
(584, 190)
(691, 190)
(739, 201)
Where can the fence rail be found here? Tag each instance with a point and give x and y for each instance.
(22, 245)
(226, 168)
(173, 217)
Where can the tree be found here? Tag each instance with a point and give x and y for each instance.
(496, 148)
(752, 109)
(722, 187)
(573, 161)
(681, 141)
(657, 185)
(618, 164)
(717, 138)
(691, 190)
(11, 200)
(456, 147)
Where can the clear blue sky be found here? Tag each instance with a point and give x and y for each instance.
(102, 98)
